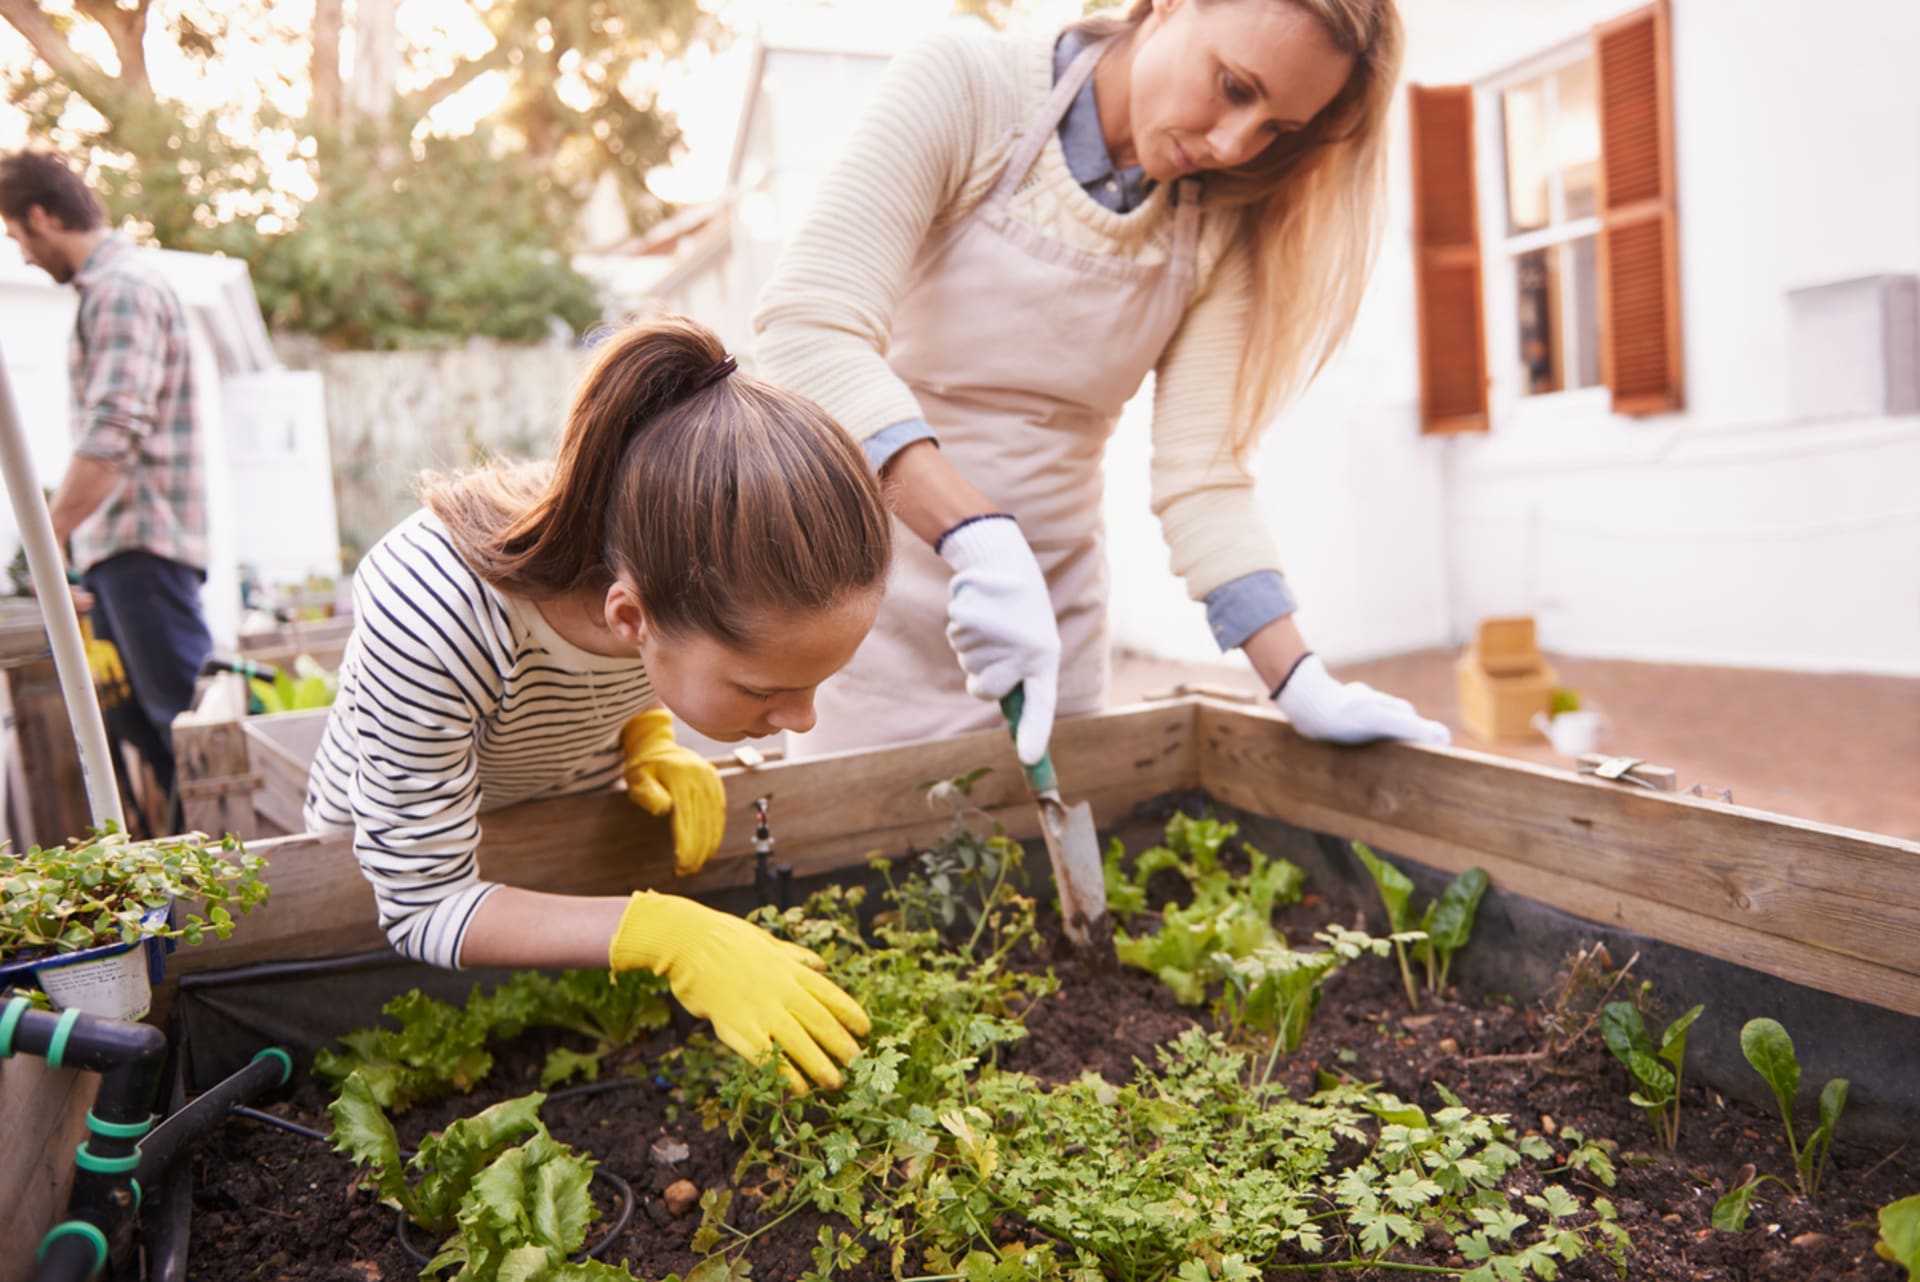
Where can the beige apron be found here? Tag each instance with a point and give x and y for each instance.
(1021, 352)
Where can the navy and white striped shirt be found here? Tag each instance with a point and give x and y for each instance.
(454, 698)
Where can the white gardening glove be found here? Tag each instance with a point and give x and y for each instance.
(1000, 623)
(1350, 711)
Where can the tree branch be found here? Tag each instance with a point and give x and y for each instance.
(128, 30)
(422, 100)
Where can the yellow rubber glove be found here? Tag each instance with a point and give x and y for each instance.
(664, 777)
(759, 991)
(103, 661)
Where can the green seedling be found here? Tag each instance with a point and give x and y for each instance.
(1275, 989)
(1770, 1050)
(1439, 932)
(1900, 1234)
(1658, 1091)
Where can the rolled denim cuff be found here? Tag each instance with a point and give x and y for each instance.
(889, 441)
(1240, 607)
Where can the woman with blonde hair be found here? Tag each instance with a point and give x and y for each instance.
(1020, 230)
(705, 544)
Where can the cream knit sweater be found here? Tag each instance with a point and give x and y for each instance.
(935, 136)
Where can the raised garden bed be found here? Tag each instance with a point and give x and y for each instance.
(1786, 898)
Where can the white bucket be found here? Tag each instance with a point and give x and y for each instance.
(110, 982)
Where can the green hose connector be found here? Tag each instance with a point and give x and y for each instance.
(57, 1044)
(119, 1130)
(87, 1160)
(138, 1197)
(9, 1021)
(286, 1063)
(77, 1228)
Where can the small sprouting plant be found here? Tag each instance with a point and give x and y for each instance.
(99, 891)
(964, 871)
(1274, 990)
(1439, 932)
(1900, 1234)
(1770, 1050)
(1658, 1085)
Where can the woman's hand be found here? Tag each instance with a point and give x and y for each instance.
(663, 777)
(760, 992)
(1350, 711)
(1000, 623)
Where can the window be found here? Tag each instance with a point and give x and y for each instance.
(1551, 137)
(1582, 229)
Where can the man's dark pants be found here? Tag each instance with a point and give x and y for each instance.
(149, 607)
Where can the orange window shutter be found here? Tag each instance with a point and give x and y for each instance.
(1446, 234)
(1639, 257)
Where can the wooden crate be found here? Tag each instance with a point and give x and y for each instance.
(1818, 906)
(1825, 907)
(247, 777)
(324, 639)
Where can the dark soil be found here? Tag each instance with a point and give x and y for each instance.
(269, 1204)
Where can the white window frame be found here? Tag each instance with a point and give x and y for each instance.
(1509, 401)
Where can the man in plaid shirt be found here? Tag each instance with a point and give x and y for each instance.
(133, 500)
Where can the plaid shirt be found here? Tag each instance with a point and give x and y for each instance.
(134, 408)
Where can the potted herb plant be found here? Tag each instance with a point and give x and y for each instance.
(86, 921)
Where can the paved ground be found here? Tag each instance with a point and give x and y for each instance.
(1836, 748)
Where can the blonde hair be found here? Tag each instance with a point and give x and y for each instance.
(721, 498)
(1314, 202)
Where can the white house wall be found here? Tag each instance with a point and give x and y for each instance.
(1728, 533)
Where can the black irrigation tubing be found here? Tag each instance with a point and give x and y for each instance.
(600, 1174)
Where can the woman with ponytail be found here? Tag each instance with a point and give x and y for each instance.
(705, 544)
(1019, 231)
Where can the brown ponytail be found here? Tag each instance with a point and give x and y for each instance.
(721, 503)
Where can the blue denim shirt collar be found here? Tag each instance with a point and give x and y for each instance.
(1085, 146)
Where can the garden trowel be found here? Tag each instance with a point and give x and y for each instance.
(1074, 850)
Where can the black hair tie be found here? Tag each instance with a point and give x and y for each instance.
(715, 372)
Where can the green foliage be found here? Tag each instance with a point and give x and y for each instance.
(466, 239)
(308, 686)
(1448, 924)
(510, 1200)
(1769, 1049)
(65, 899)
(440, 1048)
(1439, 932)
(1274, 989)
(1396, 894)
(1658, 1095)
(1228, 917)
(390, 234)
(1900, 1234)
(444, 1168)
(955, 880)
(1199, 1167)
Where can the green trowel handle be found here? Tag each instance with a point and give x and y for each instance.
(1040, 774)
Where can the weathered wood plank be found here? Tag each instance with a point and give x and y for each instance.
(1818, 905)
(43, 1113)
(828, 813)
